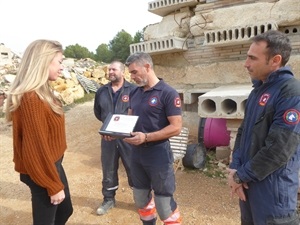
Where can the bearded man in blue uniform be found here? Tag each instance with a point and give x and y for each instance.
(158, 106)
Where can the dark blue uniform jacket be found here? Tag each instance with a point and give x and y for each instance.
(267, 149)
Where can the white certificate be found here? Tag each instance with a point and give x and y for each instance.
(118, 125)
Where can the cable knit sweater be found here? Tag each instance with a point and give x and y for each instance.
(39, 140)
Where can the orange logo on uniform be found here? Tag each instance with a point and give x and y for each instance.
(177, 102)
(125, 98)
(264, 99)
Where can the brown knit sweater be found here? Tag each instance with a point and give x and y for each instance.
(39, 140)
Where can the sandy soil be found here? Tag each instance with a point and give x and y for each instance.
(202, 200)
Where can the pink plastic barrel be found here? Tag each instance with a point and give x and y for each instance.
(216, 133)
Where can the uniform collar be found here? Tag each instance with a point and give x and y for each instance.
(286, 70)
(158, 86)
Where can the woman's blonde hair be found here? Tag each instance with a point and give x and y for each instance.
(33, 75)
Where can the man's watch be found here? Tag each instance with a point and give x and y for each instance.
(236, 178)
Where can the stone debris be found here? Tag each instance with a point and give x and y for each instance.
(79, 77)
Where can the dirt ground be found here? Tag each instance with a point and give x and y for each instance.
(202, 200)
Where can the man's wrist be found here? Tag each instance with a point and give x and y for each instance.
(236, 178)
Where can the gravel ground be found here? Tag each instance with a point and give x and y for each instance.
(202, 200)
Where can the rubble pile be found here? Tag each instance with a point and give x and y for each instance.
(78, 78)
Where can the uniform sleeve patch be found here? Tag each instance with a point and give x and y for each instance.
(291, 116)
(177, 102)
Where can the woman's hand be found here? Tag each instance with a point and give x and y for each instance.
(57, 198)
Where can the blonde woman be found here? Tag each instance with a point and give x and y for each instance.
(39, 139)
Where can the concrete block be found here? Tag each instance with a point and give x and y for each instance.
(224, 102)
(160, 46)
(222, 152)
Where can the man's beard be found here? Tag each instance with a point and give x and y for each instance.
(113, 79)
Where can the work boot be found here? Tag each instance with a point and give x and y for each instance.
(150, 222)
(106, 205)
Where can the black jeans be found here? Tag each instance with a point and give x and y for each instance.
(43, 212)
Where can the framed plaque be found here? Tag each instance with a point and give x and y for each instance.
(118, 125)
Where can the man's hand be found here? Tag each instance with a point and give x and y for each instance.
(107, 137)
(136, 139)
(235, 187)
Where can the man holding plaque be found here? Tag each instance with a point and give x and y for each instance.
(113, 98)
(158, 106)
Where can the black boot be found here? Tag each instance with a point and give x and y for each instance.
(150, 222)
